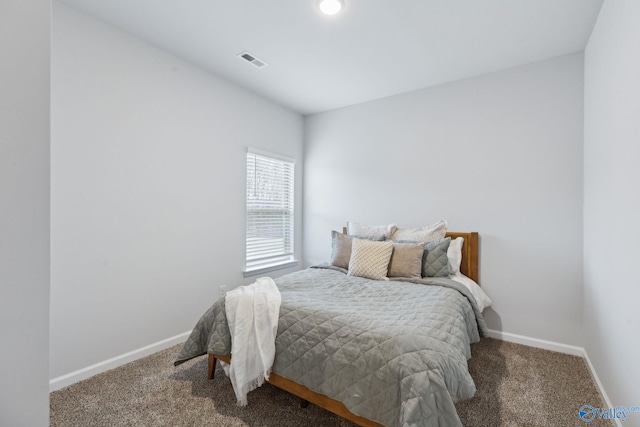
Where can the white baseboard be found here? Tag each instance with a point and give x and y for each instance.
(84, 373)
(535, 342)
(599, 386)
(561, 348)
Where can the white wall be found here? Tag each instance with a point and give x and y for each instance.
(500, 154)
(24, 212)
(148, 189)
(612, 201)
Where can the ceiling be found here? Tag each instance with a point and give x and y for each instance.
(373, 49)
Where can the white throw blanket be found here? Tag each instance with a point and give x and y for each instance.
(252, 313)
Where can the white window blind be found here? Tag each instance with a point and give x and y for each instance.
(269, 211)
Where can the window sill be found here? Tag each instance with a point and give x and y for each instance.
(268, 268)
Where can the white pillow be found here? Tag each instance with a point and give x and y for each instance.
(454, 253)
(427, 233)
(370, 231)
(370, 259)
(480, 296)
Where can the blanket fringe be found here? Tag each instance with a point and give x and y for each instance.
(252, 315)
(252, 385)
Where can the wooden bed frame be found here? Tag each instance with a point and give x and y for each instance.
(468, 267)
(469, 264)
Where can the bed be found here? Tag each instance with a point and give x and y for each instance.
(374, 352)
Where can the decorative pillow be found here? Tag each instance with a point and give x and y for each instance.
(406, 261)
(370, 259)
(454, 253)
(435, 262)
(364, 230)
(428, 233)
(341, 248)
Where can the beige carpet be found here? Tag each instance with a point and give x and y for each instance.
(517, 386)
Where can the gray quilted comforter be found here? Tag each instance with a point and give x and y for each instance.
(393, 352)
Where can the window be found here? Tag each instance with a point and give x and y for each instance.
(269, 243)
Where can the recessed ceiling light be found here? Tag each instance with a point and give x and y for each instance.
(330, 7)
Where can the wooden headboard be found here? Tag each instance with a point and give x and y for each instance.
(469, 264)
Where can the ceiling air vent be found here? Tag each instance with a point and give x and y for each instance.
(258, 63)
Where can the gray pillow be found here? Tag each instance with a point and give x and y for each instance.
(406, 260)
(341, 248)
(435, 262)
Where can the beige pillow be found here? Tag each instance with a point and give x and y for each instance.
(427, 233)
(406, 261)
(370, 259)
(341, 248)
